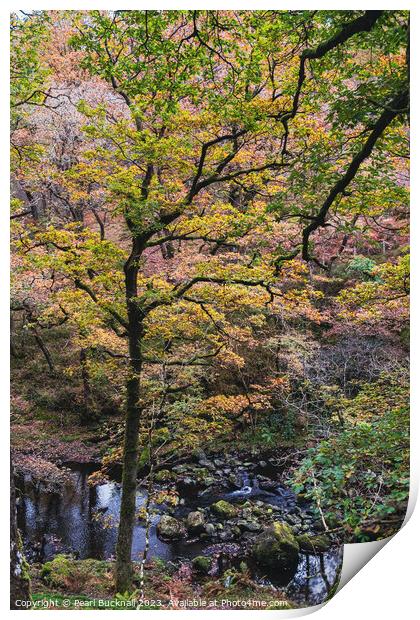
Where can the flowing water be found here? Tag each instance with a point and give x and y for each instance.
(83, 520)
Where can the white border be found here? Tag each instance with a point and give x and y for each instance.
(386, 586)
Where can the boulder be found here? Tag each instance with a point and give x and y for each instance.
(201, 564)
(210, 529)
(207, 464)
(188, 486)
(313, 544)
(195, 522)
(292, 519)
(235, 481)
(226, 535)
(268, 485)
(164, 475)
(200, 472)
(276, 549)
(180, 469)
(223, 509)
(170, 528)
(249, 526)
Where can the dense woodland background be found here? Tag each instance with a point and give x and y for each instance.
(210, 253)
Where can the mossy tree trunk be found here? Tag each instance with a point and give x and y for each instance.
(19, 577)
(123, 570)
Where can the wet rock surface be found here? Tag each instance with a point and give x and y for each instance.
(169, 528)
(236, 501)
(223, 509)
(195, 522)
(276, 549)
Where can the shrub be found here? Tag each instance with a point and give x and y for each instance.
(360, 477)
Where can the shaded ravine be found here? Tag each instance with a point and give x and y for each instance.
(82, 520)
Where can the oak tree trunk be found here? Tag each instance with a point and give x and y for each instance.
(123, 569)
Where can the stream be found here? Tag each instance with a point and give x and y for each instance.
(82, 520)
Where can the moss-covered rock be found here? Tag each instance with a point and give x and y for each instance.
(73, 575)
(276, 549)
(201, 564)
(313, 544)
(170, 528)
(164, 475)
(223, 509)
(57, 570)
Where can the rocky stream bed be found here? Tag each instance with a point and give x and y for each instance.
(230, 512)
